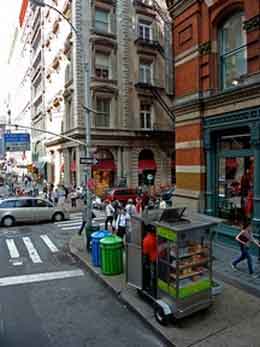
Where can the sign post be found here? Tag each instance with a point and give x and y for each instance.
(17, 142)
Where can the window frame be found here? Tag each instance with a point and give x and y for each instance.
(103, 68)
(223, 55)
(145, 25)
(145, 114)
(143, 65)
(106, 123)
(108, 23)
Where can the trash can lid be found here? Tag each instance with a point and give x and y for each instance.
(111, 240)
(100, 234)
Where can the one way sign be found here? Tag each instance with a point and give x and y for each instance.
(88, 161)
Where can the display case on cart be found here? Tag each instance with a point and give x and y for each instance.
(184, 266)
(184, 262)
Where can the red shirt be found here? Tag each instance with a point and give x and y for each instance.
(150, 246)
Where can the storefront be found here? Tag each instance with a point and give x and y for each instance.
(104, 172)
(232, 145)
(147, 168)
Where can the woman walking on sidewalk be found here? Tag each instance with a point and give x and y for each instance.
(245, 237)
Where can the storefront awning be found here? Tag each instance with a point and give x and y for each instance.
(73, 166)
(148, 164)
(105, 165)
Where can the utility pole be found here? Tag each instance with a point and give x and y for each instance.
(85, 55)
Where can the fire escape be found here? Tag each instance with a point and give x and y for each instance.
(167, 55)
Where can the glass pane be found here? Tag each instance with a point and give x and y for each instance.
(235, 189)
(234, 66)
(233, 34)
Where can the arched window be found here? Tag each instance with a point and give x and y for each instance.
(232, 45)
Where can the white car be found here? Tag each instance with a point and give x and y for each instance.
(29, 209)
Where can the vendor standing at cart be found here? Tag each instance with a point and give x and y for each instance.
(150, 256)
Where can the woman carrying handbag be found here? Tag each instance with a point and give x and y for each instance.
(245, 238)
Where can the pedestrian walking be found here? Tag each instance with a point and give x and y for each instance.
(73, 197)
(139, 206)
(130, 208)
(83, 225)
(162, 204)
(109, 213)
(122, 223)
(56, 196)
(245, 238)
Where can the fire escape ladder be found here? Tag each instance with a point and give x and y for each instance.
(163, 104)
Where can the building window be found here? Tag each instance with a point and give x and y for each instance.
(146, 116)
(102, 20)
(145, 73)
(102, 119)
(232, 51)
(145, 31)
(102, 66)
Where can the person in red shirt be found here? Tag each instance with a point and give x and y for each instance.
(149, 259)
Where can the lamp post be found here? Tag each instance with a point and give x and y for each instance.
(85, 61)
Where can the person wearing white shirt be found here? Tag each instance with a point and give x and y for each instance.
(109, 212)
(162, 204)
(130, 208)
(122, 222)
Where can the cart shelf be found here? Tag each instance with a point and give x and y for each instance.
(198, 263)
(182, 277)
(189, 254)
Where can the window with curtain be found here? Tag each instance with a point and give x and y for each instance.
(232, 44)
(102, 66)
(102, 20)
(102, 119)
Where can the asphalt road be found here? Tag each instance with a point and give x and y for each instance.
(48, 300)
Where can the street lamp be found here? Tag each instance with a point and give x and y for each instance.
(86, 101)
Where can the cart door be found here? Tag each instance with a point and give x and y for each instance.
(134, 261)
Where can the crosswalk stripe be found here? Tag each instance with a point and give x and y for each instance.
(13, 251)
(34, 255)
(40, 277)
(71, 228)
(69, 222)
(49, 243)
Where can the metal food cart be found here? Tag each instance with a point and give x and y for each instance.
(183, 272)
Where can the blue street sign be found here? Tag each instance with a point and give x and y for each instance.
(17, 142)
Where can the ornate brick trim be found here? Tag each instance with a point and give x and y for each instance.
(205, 48)
(252, 24)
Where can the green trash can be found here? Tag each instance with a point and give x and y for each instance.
(111, 255)
(89, 231)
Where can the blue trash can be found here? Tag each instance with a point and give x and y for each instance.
(95, 238)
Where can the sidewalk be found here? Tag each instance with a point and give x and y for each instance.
(233, 321)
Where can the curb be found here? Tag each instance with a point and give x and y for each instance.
(118, 295)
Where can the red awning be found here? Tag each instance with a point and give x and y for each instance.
(105, 165)
(148, 164)
(73, 166)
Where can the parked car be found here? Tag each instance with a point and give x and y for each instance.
(121, 194)
(29, 209)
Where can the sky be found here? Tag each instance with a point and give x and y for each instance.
(9, 14)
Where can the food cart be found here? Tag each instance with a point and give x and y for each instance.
(183, 271)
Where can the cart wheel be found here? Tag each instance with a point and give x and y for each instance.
(160, 316)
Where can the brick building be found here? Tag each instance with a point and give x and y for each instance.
(217, 78)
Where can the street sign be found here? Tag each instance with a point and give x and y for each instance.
(88, 161)
(17, 142)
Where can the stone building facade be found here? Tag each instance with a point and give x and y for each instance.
(132, 136)
(217, 75)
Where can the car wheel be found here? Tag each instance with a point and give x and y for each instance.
(58, 217)
(8, 221)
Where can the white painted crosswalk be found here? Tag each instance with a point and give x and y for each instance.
(75, 221)
(14, 247)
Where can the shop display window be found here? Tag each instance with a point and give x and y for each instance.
(235, 179)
